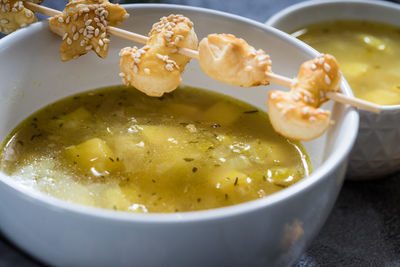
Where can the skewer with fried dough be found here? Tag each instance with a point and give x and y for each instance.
(272, 77)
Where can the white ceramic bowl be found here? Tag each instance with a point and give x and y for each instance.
(270, 231)
(377, 149)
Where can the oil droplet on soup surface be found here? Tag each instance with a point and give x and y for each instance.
(116, 148)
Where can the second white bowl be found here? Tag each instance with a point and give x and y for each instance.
(377, 149)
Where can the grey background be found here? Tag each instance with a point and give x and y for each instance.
(364, 226)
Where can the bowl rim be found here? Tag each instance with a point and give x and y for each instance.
(303, 6)
(330, 164)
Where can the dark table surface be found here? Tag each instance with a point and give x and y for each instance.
(364, 226)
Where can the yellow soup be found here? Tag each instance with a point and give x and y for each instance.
(368, 54)
(119, 149)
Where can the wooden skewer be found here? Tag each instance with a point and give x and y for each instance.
(143, 40)
(338, 97)
(112, 30)
(41, 9)
(272, 77)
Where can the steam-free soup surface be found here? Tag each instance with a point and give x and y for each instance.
(368, 54)
(116, 148)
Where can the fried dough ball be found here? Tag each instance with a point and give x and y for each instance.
(14, 15)
(317, 77)
(294, 118)
(83, 27)
(156, 68)
(232, 60)
(296, 114)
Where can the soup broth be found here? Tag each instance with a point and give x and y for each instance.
(368, 54)
(116, 148)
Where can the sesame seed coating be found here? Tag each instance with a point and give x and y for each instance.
(14, 15)
(159, 57)
(86, 22)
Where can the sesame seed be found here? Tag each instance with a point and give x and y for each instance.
(327, 67)
(327, 79)
(262, 57)
(169, 67)
(23, 25)
(83, 43)
(146, 70)
(90, 28)
(106, 40)
(313, 66)
(69, 41)
(87, 23)
(98, 49)
(28, 14)
(101, 42)
(305, 110)
(296, 96)
(135, 68)
(121, 74)
(65, 36)
(60, 19)
(252, 52)
(76, 36)
(67, 20)
(88, 47)
(305, 92)
(4, 21)
(248, 68)
(323, 112)
(273, 95)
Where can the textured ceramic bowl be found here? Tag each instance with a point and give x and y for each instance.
(377, 149)
(272, 231)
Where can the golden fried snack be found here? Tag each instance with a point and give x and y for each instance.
(296, 114)
(14, 15)
(83, 27)
(232, 60)
(317, 77)
(156, 68)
